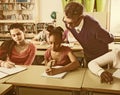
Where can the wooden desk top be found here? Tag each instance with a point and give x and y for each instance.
(2, 80)
(46, 46)
(114, 45)
(32, 78)
(73, 47)
(77, 49)
(91, 82)
(4, 88)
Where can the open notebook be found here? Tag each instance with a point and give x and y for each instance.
(117, 73)
(61, 75)
(8, 71)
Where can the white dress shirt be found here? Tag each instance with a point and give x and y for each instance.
(79, 27)
(112, 57)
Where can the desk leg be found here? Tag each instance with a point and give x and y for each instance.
(90, 93)
(75, 92)
(17, 90)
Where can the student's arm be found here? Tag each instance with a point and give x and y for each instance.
(95, 66)
(37, 37)
(4, 62)
(69, 67)
(31, 56)
(1, 63)
(74, 63)
(7, 64)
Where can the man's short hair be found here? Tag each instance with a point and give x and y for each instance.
(73, 9)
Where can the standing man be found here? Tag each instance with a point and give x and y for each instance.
(88, 32)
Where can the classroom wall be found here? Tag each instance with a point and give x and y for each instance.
(46, 7)
(115, 18)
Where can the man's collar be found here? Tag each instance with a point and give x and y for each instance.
(79, 27)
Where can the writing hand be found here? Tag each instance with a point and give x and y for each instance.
(50, 63)
(53, 71)
(48, 70)
(9, 64)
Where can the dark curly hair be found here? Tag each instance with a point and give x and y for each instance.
(57, 31)
(49, 28)
(17, 25)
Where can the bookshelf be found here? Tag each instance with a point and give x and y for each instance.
(29, 13)
(17, 11)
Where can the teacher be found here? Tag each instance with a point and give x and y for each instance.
(87, 31)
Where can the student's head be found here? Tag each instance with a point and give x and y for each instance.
(47, 31)
(17, 32)
(73, 13)
(49, 28)
(55, 38)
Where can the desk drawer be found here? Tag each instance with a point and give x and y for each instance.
(37, 91)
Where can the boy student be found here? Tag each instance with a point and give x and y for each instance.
(88, 32)
(59, 55)
(16, 51)
(43, 36)
(112, 59)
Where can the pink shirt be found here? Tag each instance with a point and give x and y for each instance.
(63, 59)
(24, 58)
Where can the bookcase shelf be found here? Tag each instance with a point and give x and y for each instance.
(28, 13)
(17, 11)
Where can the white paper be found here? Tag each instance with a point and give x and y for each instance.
(3, 75)
(8, 71)
(61, 75)
(117, 73)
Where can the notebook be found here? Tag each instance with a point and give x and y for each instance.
(61, 75)
(117, 73)
(8, 71)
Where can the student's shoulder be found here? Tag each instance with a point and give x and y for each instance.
(31, 45)
(66, 48)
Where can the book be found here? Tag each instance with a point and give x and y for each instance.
(117, 73)
(59, 76)
(9, 71)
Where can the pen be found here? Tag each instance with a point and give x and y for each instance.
(52, 63)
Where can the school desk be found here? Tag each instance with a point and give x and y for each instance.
(77, 49)
(4, 88)
(2, 80)
(91, 83)
(30, 82)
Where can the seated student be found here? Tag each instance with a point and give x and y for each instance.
(112, 59)
(59, 55)
(17, 50)
(42, 37)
